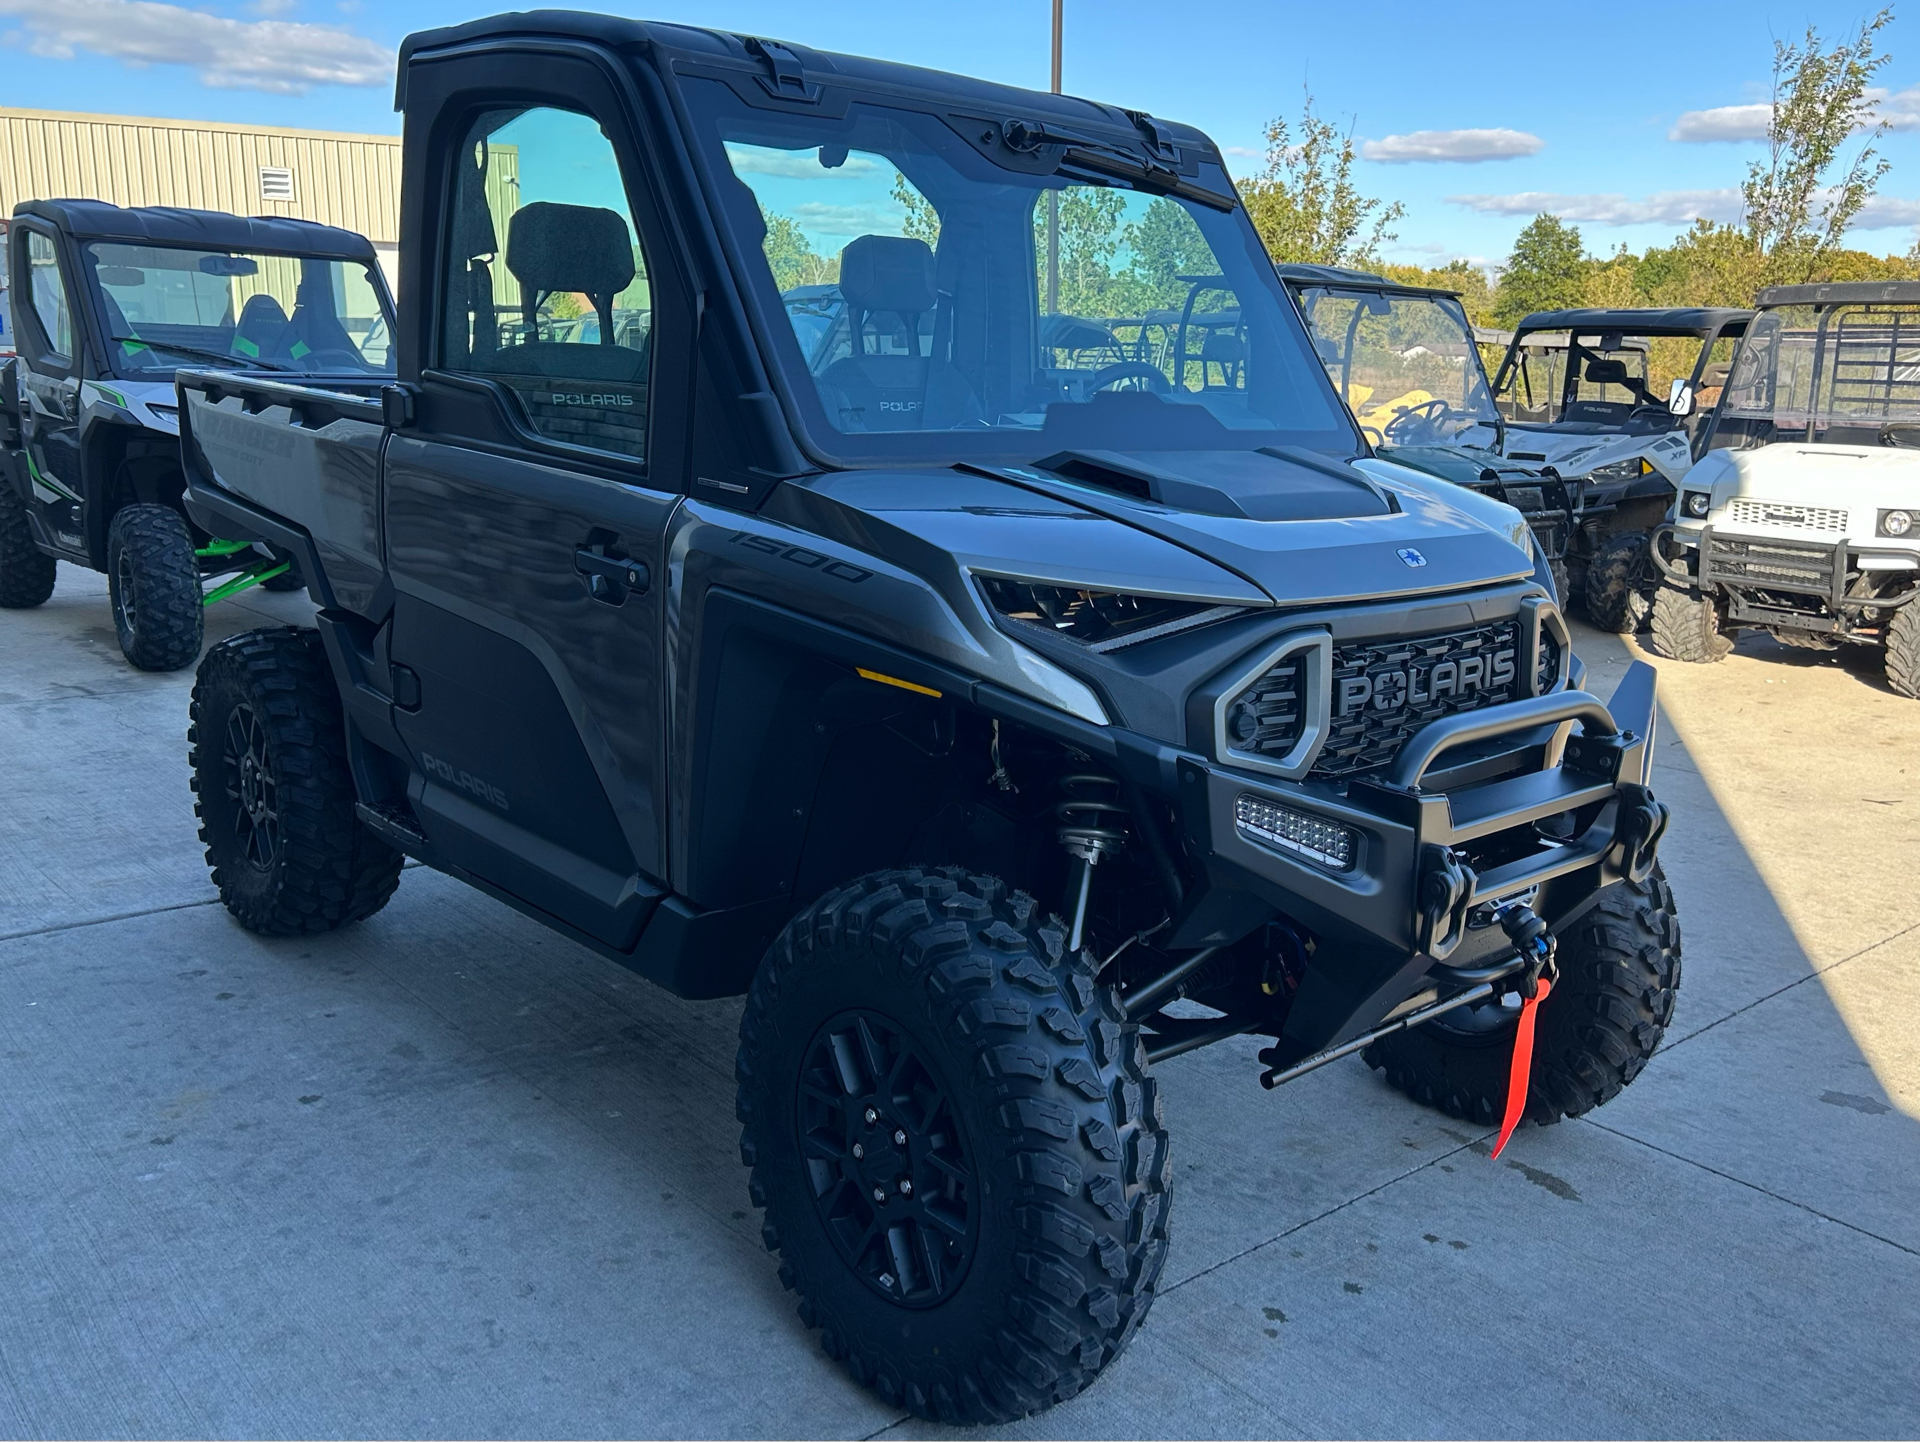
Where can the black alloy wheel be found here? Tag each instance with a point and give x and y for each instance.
(251, 789)
(887, 1161)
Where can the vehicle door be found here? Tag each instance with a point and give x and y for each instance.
(527, 499)
(48, 376)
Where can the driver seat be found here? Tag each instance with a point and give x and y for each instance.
(261, 329)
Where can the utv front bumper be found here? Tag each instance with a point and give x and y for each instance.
(1418, 860)
(1790, 581)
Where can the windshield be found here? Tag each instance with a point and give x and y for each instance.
(922, 288)
(1598, 379)
(170, 306)
(1406, 365)
(1809, 369)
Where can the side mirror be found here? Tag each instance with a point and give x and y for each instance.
(1680, 398)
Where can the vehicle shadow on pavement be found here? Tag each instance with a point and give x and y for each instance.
(445, 1173)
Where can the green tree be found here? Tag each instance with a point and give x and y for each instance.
(1304, 202)
(1800, 200)
(922, 221)
(791, 255)
(1547, 271)
(1461, 276)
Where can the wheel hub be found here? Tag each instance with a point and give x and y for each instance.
(886, 1162)
(251, 788)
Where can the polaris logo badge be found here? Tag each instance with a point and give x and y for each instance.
(1411, 557)
(463, 780)
(575, 398)
(1390, 690)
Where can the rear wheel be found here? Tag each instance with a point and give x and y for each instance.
(955, 1142)
(1903, 651)
(274, 795)
(1686, 625)
(26, 572)
(153, 581)
(1619, 584)
(1619, 973)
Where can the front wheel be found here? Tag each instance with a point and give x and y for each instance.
(1619, 973)
(955, 1142)
(273, 791)
(153, 581)
(1903, 651)
(1686, 625)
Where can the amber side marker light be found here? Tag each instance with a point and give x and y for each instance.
(895, 681)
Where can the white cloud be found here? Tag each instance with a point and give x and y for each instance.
(280, 56)
(1900, 110)
(1671, 207)
(1460, 147)
(791, 164)
(1884, 212)
(1723, 122)
(818, 218)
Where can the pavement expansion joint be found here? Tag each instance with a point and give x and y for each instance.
(59, 926)
(1754, 1186)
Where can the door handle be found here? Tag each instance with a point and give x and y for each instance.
(611, 578)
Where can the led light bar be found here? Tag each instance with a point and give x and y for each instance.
(1332, 845)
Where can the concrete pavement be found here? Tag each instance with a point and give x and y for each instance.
(444, 1173)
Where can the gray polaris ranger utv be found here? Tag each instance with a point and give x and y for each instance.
(1002, 726)
(109, 302)
(1615, 401)
(1404, 359)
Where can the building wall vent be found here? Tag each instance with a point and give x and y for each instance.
(276, 183)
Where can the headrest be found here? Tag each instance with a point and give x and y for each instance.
(887, 272)
(554, 247)
(260, 309)
(1606, 372)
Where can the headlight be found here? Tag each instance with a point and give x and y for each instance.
(1697, 504)
(1621, 470)
(164, 411)
(1896, 523)
(1102, 620)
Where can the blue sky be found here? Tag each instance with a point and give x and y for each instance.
(1583, 102)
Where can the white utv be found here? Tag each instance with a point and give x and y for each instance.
(1801, 517)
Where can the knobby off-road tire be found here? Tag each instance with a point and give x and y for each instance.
(287, 580)
(1045, 1152)
(273, 792)
(1618, 580)
(26, 572)
(1562, 586)
(153, 580)
(1903, 651)
(1619, 972)
(1686, 625)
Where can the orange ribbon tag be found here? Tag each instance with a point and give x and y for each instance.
(1522, 1074)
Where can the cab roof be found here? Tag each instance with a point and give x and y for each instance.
(1685, 320)
(1844, 292)
(211, 229)
(1299, 273)
(790, 70)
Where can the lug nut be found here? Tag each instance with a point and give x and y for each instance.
(906, 1187)
(879, 1194)
(899, 1139)
(858, 1151)
(873, 1116)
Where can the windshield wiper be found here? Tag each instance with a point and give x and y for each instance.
(212, 355)
(1105, 158)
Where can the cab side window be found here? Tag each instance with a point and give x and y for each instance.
(547, 288)
(49, 295)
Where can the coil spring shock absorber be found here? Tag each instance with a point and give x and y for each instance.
(1090, 813)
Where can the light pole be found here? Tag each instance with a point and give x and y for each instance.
(1053, 195)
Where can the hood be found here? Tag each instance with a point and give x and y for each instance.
(1793, 486)
(1581, 453)
(1463, 465)
(1338, 534)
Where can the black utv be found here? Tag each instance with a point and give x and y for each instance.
(108, 303)
(742, 580)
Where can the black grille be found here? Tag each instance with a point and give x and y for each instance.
(1269, 715)
(1383, 691)
(1778, 565)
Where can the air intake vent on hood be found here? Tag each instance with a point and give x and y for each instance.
(1269, 484)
